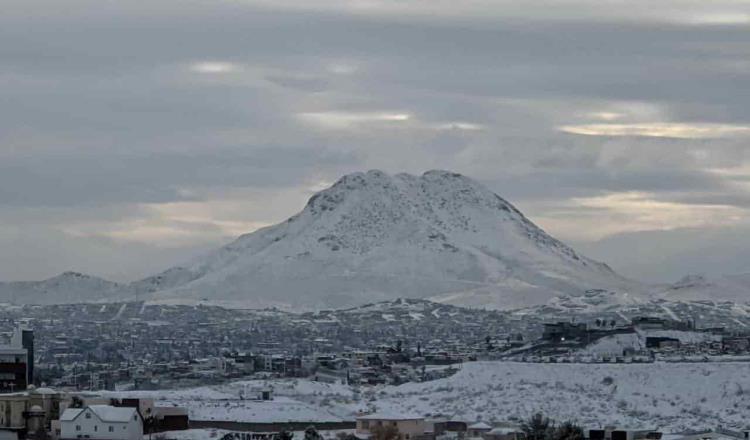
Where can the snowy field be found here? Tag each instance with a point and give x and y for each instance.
(294, 400)
(207, 434)
(672, 397)
(615, 344)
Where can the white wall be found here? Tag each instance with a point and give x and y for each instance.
(98, 430)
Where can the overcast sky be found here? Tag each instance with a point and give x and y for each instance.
(136, 134)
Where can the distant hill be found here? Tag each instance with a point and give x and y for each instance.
(68, 287)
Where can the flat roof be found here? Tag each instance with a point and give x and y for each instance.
(389, 416)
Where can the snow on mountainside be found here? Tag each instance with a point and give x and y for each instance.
(68, 287)
(373, 236)
(734, 288)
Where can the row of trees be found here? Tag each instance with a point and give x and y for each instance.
(539, 427)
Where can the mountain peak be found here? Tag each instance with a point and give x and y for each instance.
(374, 236)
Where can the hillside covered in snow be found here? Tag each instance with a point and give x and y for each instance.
(373, 236)
(376, 237)
(68, 287)
(734, 288)
(671, 397)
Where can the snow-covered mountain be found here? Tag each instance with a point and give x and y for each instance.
(374, 236)
(68, 287)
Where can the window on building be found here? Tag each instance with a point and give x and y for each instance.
(111, 429)
(88, 415)
(78, 427)
(96, 428)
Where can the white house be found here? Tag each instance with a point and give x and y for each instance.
(101, 422)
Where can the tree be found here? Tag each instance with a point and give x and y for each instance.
(568, 431)
(312, 434)
(76, 402)
(387, 432)
(537, 427)
(284, 435)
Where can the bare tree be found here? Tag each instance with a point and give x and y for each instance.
(385, 432)
(538, 427)
(568, 431)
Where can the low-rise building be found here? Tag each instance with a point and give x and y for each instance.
(408, 426)
(478, 429)
(29, 412)
(101, 422)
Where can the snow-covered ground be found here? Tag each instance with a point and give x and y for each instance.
(205, 434)
(190, 434)
(672, 397)
(295, 400)
(615, 344)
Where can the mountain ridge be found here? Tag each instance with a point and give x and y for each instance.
(372, 236)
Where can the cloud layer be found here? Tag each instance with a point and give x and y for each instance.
(135, 133)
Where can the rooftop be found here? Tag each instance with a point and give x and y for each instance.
(389, 416)
(106, 413)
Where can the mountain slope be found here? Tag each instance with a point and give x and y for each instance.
(372, 236)
(68, 287)
(735, 288)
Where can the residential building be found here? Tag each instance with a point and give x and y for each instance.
(101, 422)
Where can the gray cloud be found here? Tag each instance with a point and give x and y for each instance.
(128, 119)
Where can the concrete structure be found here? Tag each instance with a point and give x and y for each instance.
(101, 422)
(504, 433)
(563, 331)
(612, 433)
(23, 337)
(169, 418)
(408, 426)
(31, 412)
(478, 429)
(718, 434)
(17, 361)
